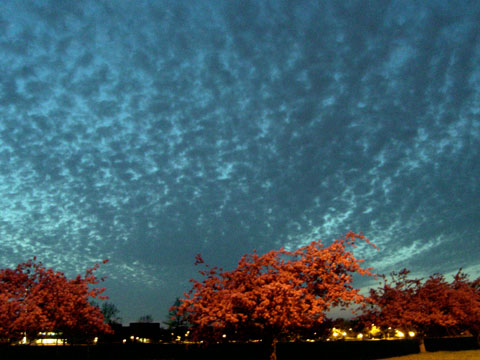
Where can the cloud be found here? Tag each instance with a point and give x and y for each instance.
(147, 134)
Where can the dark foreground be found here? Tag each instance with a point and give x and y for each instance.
(359, 350)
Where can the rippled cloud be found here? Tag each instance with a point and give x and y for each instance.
(148, 132)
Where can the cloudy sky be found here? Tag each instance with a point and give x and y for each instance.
(146, 132)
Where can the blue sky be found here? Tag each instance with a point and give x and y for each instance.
(146, 132)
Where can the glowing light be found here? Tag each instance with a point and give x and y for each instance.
(360, 336)
(375, 331)
(399, 334)
(411, 334)
(338, 333)
(50, 338)
(52, 341)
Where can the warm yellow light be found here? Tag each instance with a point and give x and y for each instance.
(335, 334)
(48, 341)
(411, 334)
(124, 341)
(224, 336)
(374, 331)
(360, 336)
(400, 334)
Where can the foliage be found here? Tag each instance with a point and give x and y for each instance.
(35, 299)
(145, 319)
(176, 321)
(110, 313)
(432, 307)
(276, 293)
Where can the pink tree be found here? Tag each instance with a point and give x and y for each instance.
(275, 293)
(429, 307)
(34, 299)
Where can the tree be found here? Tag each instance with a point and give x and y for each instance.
(177, 324)
(465, 303)
(110, 313)
(274, 294)
(433, 307)
(34, 299)
(145, 319)
(176, 321)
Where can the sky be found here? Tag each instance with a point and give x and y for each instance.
(146, 132)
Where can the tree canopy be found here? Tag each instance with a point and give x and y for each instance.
(34, 299)
(110, 313)
(275, 293)
(176, 321)
(146, 319)
(433, 307)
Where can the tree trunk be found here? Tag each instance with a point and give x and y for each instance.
(476, 335)
(421, 342)
(272, 347)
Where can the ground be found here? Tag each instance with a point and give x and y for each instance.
(442, 355)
